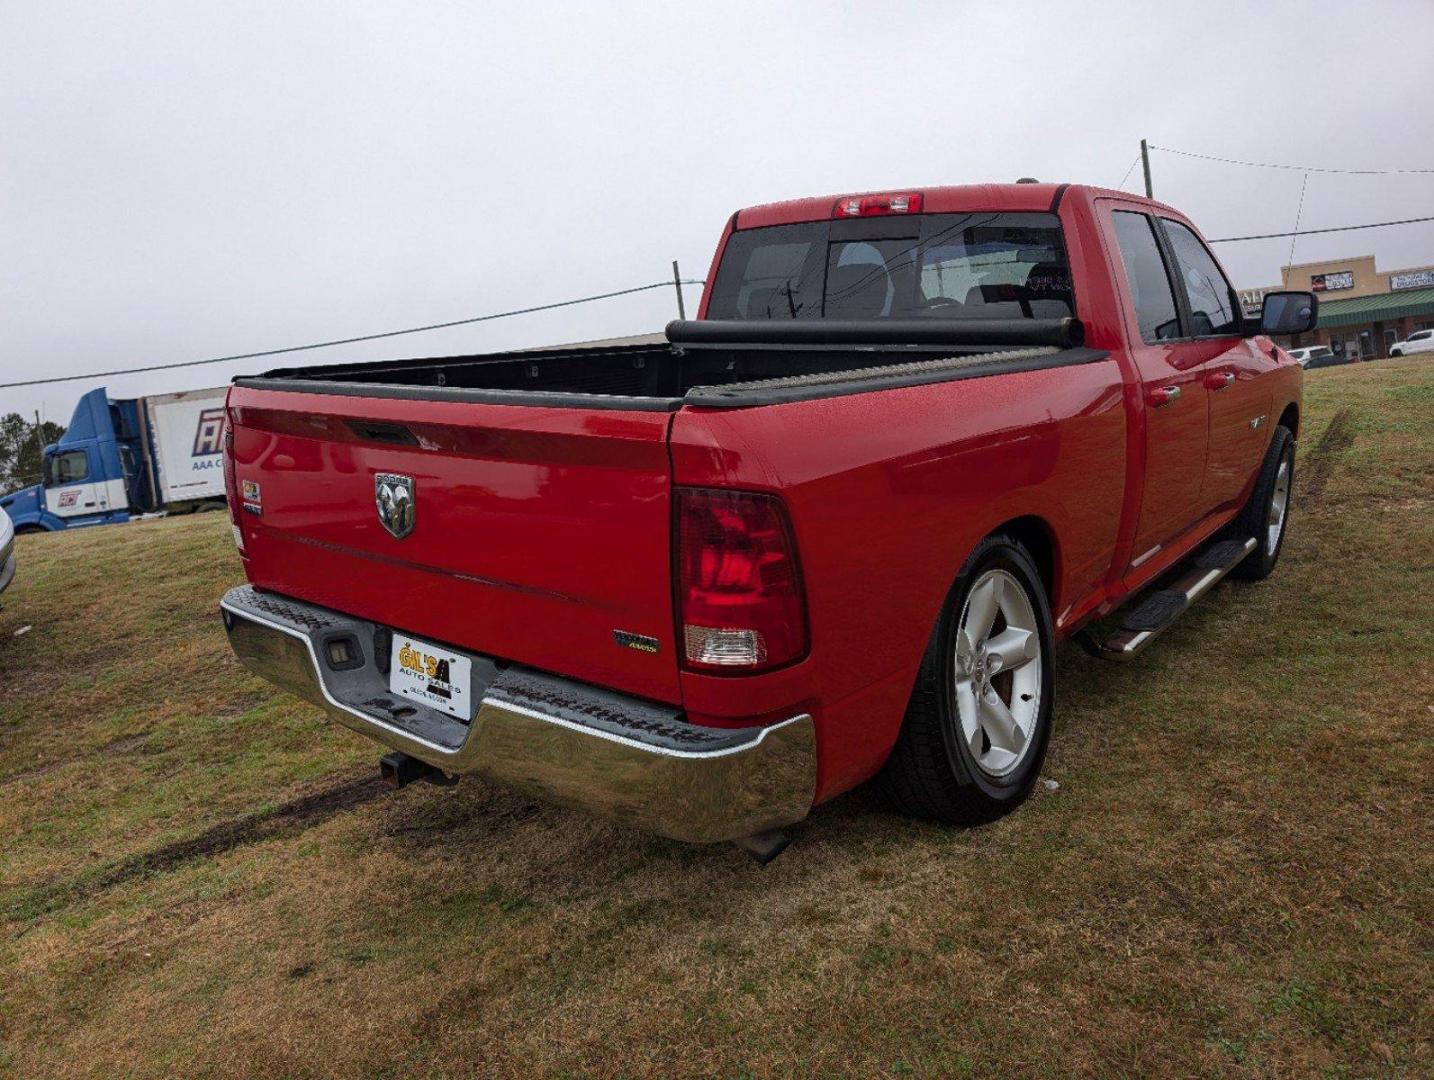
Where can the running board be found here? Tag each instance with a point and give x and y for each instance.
(1158, 611)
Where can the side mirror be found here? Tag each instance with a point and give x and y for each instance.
(1289, 313)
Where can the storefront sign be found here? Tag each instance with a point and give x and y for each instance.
(1415, 279)
(1252, 301)
(1340, 279)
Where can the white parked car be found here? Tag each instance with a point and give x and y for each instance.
(7, 550)
(1310, 352)
(1417, 342)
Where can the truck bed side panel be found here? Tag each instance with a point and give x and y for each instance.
(889, 492)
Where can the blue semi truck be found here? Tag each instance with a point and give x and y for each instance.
(122, 458)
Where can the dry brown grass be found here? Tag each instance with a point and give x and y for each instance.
(198, 877)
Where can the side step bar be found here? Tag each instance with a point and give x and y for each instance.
(1155, 614)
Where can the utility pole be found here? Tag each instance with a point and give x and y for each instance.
(1145, 164)
(39, 446)
(677, 284)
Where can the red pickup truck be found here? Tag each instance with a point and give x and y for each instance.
(831, 530)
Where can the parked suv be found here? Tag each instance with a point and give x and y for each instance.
(1310, 353)
(1417, 342)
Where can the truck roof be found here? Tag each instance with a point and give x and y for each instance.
(1016, 198)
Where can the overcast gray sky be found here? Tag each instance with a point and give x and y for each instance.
(182, 180)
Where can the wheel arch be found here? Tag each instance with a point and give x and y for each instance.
(1036, 534)
(1038, 537)
(43, 523)
(1290, 418)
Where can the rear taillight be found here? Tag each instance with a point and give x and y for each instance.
(231, 486)
(876, 205)
(739, 591)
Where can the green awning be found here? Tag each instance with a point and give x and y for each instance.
(1384, 307)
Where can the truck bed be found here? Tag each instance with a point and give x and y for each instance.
(529, 470)
(714, 364)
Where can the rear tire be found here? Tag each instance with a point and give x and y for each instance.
(979, 719)
(1266, 516)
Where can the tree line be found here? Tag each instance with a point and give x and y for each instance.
(21, 443)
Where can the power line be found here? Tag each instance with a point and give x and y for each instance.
(350, 340)
(1121, 186)
(1296, 168)
(1313, 232)
(1299, 213)
(628, 292)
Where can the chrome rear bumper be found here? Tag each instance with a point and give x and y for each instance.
(576, 745)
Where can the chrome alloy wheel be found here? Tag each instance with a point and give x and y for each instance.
(998, 672)
(1279, 503)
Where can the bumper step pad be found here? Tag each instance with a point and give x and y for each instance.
(635, 761)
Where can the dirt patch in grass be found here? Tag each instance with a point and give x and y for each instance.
(288, 819)
(197, 877)
(1320, 461)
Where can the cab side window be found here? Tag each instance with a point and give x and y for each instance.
(1146, 276)
(69, 468)
(1213, 311)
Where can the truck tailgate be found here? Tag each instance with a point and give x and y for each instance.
(541, 535)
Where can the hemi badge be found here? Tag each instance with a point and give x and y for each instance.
(640, 642)
(1256, 422)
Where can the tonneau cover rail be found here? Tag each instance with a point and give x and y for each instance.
(1058, 333)
(886, 377)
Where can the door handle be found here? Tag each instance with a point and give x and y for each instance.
(1163, 395)
(1219, 380)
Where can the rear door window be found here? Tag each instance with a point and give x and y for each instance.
(1145, 274)
(943, 266)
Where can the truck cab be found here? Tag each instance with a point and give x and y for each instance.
(122, 458)
(84, 476)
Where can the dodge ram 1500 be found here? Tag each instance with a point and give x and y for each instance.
(829, 531)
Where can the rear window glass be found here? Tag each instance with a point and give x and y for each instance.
(943, 266)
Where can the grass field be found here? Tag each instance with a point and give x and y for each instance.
(199, 877)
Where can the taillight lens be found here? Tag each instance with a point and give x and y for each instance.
(877, 205)
(231, 486)
(740, 604)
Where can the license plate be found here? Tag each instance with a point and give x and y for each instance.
(440, 678)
